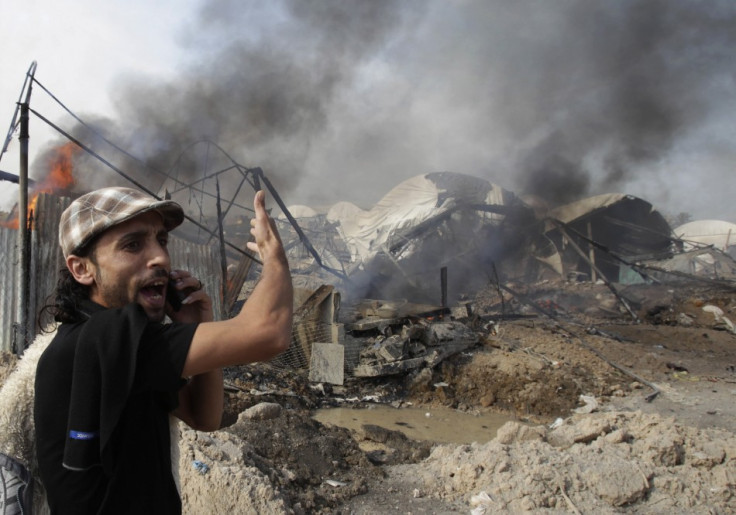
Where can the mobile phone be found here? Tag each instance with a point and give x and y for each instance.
(174, 296)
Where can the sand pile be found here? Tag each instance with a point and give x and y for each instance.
(596, 463)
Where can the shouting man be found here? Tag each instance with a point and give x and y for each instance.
(106, 384)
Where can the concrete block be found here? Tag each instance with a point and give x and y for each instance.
(327, 364)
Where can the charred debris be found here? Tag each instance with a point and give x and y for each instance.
(443, 259)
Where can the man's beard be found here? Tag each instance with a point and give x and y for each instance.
(113, 295)
(116, 295)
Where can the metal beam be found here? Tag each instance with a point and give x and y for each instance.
(5, 176)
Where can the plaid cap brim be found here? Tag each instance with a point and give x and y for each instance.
(97, 211)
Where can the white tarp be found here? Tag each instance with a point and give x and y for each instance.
(575, 210)
(298, 211)
(718, 233)
(411, 202)
(705, 262)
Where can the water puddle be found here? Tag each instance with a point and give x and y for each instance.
(441, 425)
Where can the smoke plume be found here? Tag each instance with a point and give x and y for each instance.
(342, 100)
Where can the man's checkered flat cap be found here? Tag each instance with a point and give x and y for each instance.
(97, 211)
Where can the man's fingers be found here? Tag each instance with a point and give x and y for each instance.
(263, 228)
(178, 274)
(259, 203)
(194, 296)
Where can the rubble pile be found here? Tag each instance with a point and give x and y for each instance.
(610, 448)
(271, 460)
(416, 345)
(585, 438)
(598, 463)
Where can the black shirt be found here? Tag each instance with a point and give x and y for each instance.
(132, 474)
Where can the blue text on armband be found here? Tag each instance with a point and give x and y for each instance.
(83, 435)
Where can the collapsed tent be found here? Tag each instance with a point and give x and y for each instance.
(437, 236)
(593, 232)
(429, 222)
(706, 262)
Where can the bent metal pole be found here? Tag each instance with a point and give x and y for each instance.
(22, 308)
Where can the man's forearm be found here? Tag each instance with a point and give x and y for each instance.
(201, 401)
(272, 302)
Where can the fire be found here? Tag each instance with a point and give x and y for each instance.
(59, 179)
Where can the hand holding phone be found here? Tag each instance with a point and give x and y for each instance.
(174, 296)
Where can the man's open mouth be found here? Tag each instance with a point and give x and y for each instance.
(154, 291)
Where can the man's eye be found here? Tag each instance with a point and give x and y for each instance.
(132, 245)
(164, 242)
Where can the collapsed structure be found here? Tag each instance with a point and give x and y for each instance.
(610, 230)
(477, 232)
(436, 239)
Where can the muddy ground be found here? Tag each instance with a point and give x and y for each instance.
(659, 380)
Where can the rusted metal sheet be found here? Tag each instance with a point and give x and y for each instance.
(45, 263)
(315, 315)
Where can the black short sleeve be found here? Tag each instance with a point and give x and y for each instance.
(161, 356)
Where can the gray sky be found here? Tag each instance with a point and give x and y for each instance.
(82, 47)
(343, 100)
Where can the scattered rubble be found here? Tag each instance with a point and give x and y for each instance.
(585, 437)
(418, 344)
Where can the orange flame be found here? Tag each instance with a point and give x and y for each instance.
(59, 178)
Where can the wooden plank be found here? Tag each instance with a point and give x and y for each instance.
(314, 300)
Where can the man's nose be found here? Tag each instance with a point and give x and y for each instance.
(158, 256)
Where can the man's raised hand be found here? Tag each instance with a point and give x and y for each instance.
(267, 242)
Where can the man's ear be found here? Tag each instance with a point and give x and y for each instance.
(81, 269)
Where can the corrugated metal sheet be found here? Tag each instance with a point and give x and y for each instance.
(201, 260)
(8, 280)
(46, 258)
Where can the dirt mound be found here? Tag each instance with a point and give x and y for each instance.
(533, 369)
(268, 463)
(594, 463)
(634, 452)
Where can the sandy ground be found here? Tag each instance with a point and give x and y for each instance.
(634, 452)
(538, 368)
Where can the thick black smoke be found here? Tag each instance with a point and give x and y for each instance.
(628, 80)
(261, 85)
(341, 100)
